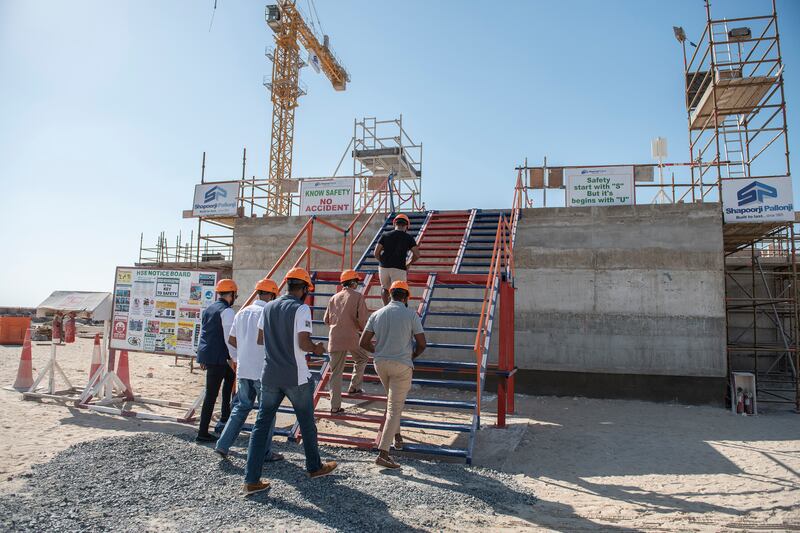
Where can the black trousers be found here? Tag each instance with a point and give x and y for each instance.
(216, 375)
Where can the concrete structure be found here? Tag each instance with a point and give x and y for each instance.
(259, 242)
(621, 301)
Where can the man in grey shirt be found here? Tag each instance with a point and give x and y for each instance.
(396, 328)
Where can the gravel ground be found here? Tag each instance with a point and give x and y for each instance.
(156, 482)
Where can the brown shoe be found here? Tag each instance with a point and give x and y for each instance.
(252, 488)
(386, 462)
(326, 469)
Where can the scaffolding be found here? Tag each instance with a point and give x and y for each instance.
(383, 148)
(736, 111)
(762, 314)
(735, 102)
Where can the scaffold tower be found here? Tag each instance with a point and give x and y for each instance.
(736, 110)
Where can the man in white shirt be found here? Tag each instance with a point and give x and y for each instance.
(249, 359)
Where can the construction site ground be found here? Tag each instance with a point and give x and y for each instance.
(591, 464)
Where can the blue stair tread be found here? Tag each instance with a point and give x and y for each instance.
(450, 345)
(452, 313)
(445, 364)
(451, 328)
(434, 450)
(446, 299)
(454, 383)
(442, 426)
(450, 404)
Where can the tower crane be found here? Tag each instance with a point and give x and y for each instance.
(291, 31)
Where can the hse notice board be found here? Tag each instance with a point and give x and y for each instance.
(158, 311)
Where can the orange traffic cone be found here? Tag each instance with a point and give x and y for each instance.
(124, 374)
(96, 359)
(25, 371)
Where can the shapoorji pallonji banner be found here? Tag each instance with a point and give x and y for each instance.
(158, 311)
(329, 196)
(758, 200)
(219, 199)
(591, 186)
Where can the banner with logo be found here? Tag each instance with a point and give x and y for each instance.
(599, 186)
(758, 200)
(218, 199)
(329, 196)
(159, 311)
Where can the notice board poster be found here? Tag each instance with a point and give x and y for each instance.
(329, 196)
(758, 200)
(158, 311)
(594, 186)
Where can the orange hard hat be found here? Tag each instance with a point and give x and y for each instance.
(348, 275)
(301, 274)
(401, 216)
(226, 285)
(400, 285)
(267, 285)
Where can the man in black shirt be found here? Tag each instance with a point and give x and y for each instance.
(392, 252)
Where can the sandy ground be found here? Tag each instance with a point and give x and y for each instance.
(606, 465)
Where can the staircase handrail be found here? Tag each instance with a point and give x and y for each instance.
(502, 254)
(381, 206)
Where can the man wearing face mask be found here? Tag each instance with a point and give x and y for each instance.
(286, 336)
(214, 356)
(400, 339)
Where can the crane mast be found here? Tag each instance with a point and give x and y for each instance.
(291, 31)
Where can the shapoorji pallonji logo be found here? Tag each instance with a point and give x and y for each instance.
(215, 199)
(755, 192)
(758, 200)
(215, 192)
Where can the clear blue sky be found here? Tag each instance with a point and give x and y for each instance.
(107, 106)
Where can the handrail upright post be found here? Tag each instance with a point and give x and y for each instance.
(309, 242)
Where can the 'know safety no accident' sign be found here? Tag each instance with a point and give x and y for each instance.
(329, 196)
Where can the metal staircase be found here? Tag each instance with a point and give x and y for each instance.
(465, 257)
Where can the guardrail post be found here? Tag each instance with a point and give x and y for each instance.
(391, 189)
(506, 355)
(309, 242)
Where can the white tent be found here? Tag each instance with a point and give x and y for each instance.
(91, 305)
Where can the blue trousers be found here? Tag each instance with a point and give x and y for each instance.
(247, 397)
(302, 400)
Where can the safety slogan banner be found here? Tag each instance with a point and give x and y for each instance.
(758, 200)
(218, 199)
(329, 196)
(159, 311)
(599, 186)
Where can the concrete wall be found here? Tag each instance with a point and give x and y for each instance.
(259, 242)
(621, 290)
(611, 301)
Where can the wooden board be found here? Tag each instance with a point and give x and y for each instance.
(734, 96)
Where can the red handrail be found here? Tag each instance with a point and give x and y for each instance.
(347, 237)
(502, 257)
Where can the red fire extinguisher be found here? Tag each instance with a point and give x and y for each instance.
(57, 322)
(69, 328)
(739, 401)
